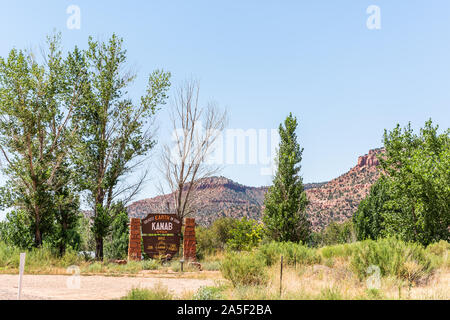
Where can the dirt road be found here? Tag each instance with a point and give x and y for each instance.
(90, 287)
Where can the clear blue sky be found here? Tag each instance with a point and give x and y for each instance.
(264, 59)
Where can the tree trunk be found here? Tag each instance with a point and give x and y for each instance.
(37, 231)
(37, 236)
(62, 249)
(99, 248)
(181, 247)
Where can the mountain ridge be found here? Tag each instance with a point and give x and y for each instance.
(215, 197)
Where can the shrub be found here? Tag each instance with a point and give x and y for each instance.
(215, 237)
(9, 256)
(212, 262)
(150, 264)
(246, 235)
(204, 241)
(408, 261)
(211, 265)
(438, 248)
(71, 257)
(158, 292)
(439, 253)
(337, 233)
(244, 268)
(209, 293)
(95, 267)
(340, 250)
(40, 258)
(16, 230)
(293, 253)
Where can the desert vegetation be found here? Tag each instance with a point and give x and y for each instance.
(406, 271)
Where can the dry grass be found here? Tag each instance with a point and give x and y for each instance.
(338, 283)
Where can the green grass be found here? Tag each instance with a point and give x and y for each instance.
(150, 264)
(211, 265)
(158, 292)
(37, 258)
(331, 293)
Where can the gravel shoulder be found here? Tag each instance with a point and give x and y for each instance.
(61, 287)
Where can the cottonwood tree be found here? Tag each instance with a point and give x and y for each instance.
(285, 202)
(411, 200)
(368, 219)
(37, 101)
(416, 167)
(115, 133)
(185, 161)
(66, 205)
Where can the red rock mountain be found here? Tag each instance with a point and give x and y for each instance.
(339, 198)
(217, 197)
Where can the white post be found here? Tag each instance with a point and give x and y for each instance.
(21, 268)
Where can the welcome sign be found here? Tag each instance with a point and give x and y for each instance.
(161, 235)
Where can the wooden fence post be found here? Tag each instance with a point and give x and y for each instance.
(281, 275)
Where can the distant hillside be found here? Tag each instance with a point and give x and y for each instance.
(217, 197)
(338, 199)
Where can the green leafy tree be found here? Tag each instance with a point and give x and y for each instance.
(221, 231)
(417, 167)
(67, 215)
(368, 219)
(115, 134)
(213, 238)
(17, 230)
(117, 248)
(84, 227)
(245, 235)
(336, 233)
(37, 101)
(285, 202)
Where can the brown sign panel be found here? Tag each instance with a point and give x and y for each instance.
(161, 235)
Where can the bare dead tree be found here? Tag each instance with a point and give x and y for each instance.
(185, 161)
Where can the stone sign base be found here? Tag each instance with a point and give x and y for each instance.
(134, 244)
(189, 247)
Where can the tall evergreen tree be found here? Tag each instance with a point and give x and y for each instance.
(285, 202)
